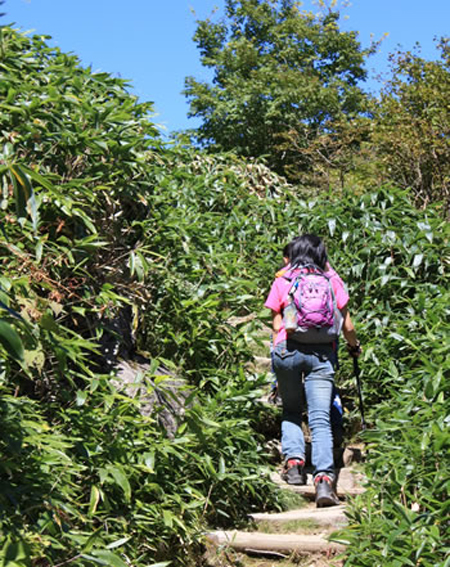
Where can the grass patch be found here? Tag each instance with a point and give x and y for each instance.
(290, 500)
(289, 527)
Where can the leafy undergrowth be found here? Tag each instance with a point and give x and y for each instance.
(86, 479)
(114, 244)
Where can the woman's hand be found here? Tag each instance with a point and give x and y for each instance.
(355, 350)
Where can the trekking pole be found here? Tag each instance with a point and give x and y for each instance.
(356, 371)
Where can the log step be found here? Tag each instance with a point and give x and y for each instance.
(333, 516)
(281, 543)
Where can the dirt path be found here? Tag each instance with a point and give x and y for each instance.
(296, 537)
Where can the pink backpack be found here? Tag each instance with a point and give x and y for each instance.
(312, 316)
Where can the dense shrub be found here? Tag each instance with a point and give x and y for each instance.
(85, 477)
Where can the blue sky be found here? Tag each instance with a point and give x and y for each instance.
(150, 42)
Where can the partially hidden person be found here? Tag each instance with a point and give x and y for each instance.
(309, 305)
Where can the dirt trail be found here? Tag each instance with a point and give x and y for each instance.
(299, 536)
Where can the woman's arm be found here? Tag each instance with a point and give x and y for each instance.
(349, 333)
(277, 319)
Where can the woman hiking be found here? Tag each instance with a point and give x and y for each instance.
(309, 308)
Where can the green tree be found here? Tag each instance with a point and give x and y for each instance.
(412, 126)
(278, 72)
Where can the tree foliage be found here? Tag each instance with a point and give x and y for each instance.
(278, 72)
(411, 126)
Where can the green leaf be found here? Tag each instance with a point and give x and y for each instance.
(24, 194)
(94, 500)
(35, 358)
(11, 341)
(332, 226)
(40, 179)
(417, 260)
(15, 554)
(118, 543)
(105, 557)
(81, 397)
(20, 197)
(168, 518)
(121, 479)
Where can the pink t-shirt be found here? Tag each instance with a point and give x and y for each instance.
(278, 297)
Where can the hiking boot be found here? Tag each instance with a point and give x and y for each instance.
(294, 472)
(325, 495)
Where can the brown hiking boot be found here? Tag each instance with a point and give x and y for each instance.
(294, 472)
(325, 495)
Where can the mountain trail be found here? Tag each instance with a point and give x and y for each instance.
(300, 536)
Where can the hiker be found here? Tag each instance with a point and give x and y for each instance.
(304, 347)
(336, 409)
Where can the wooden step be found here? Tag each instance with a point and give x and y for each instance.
(348, 485)
(282, 543)
(333, 516)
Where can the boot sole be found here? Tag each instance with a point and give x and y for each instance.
(325, 496)
(326, 501)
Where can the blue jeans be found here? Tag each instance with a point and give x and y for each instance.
(292, 362)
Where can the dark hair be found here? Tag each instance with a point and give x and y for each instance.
(308, 249)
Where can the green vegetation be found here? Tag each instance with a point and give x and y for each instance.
(288, 86)
(412, 124)
(404, 305)
(292, 500)
(117, 246)
(89, 236)
(282, 78)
